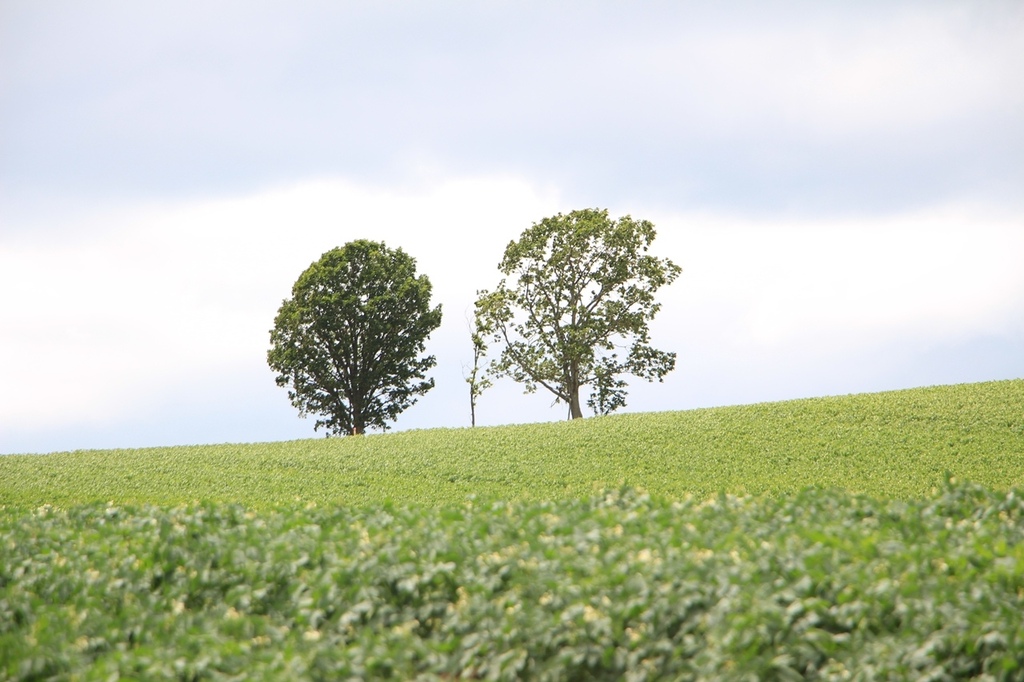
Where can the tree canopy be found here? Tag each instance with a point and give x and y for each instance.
(348, 343)
(577, 310)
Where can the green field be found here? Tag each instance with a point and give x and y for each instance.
(681, 546)
(898, 444)
(819, 585)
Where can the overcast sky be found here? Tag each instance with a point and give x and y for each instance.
(842, 183)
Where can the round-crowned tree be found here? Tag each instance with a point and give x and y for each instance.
(348, 344)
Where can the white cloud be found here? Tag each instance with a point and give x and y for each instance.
(947, 273)
(140, 302)
(864, 77)
(831, 73)
(149, 296)
(880, 105)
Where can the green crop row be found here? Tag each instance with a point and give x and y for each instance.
(814, 585)
(898, 444)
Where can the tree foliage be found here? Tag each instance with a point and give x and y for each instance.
(347, 344)
(577, 310)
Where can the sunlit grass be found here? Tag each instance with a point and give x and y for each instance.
(897, 444)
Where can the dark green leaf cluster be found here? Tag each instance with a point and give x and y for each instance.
(348, 342)
(820, 585)
(577, 311)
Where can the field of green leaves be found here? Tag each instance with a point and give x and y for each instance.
(684, 546)
(897, 444)
(817, 585)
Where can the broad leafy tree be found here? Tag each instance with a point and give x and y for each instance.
(348, 344)
(574, 306)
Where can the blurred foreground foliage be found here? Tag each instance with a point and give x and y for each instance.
(815, 585)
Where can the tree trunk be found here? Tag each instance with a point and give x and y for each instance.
(358, 422)
(472, 405)
(574, 403)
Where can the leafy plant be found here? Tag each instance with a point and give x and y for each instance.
(815, 585)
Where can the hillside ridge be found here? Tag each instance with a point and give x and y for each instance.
(893, 443)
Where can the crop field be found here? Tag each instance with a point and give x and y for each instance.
(818, 585)
(680, 546)
(898, 444)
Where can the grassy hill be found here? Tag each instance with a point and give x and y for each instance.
(896, 444)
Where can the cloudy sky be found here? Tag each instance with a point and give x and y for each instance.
(842, 183)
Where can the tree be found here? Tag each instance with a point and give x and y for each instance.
(478, 380)
(347, 343)
(577, 313)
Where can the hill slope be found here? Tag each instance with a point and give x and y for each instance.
(894, 444)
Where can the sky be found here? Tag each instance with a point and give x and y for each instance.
(842, 184)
